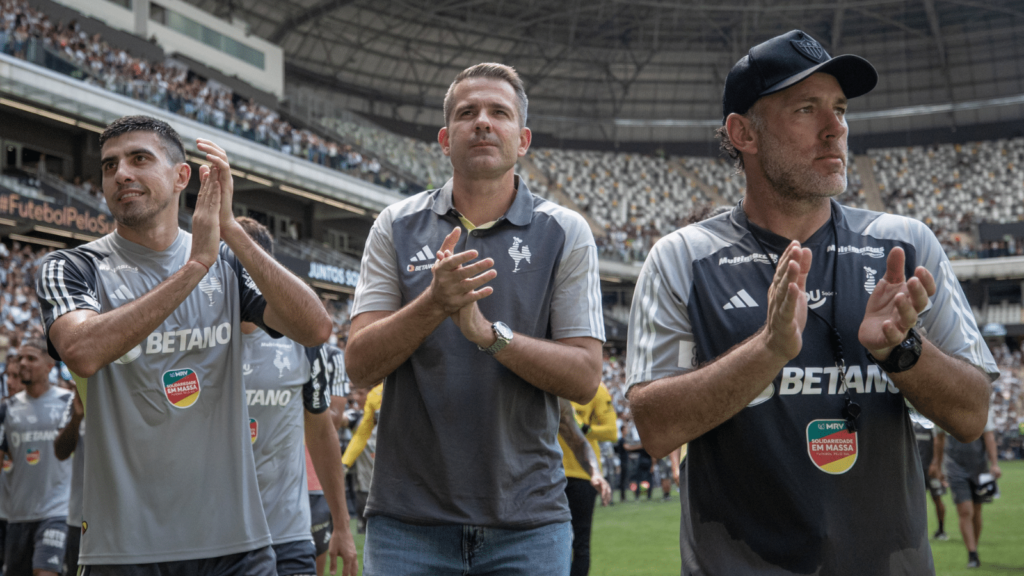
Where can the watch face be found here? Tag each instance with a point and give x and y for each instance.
(503, 331)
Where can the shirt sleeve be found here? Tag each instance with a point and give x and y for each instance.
(378, 287)
(360, 438)
(316, 392)
(602, 425)
(660, 340)
(948, 318)
(65, 283)
(65, 418)
(339, 385)
(576, 302)
(251, 301)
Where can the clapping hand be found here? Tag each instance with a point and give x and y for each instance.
(894, 306)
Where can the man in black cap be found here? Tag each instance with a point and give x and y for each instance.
(787, 378)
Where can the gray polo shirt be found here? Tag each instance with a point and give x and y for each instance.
(461, 439)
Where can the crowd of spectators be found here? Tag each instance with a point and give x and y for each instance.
(172, 86)
(19, 317)
(1007, 401)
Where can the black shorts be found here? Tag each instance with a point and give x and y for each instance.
(71, 552)
(296, 558)
(320, 516)
(259, 562)
(35, 545)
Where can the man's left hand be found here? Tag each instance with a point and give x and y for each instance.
(474, 326)
(996, 471)
(342, 545)
(225, 183)
(893, 307)
(602, 487)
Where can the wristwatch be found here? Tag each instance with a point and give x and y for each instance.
(903, 357)
(503, 334)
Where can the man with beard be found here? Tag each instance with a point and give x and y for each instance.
(790, 380)
(39, 483)
(147, 319)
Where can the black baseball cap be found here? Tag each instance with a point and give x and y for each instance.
(785, 60)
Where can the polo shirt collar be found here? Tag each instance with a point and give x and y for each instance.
(520, 213)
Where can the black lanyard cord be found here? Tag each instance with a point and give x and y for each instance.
(851, 410)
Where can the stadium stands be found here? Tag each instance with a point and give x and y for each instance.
(951, 187)
(29, 34)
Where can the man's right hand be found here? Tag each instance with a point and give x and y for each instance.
(455, 286)
(787, 302)
(206, 218)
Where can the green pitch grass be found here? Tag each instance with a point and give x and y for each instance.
(643, 539)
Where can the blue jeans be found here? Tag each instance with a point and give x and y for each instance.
(394, 548)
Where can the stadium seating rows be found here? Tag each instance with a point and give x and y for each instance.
(169, 85)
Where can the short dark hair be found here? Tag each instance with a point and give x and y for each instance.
(169, 139)
(38, 344)
(257, 232)
(490, 70)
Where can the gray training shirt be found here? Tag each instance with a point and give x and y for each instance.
(281, 377)
(461, 438)
(38, 483)
(169, 464)
(783, 487)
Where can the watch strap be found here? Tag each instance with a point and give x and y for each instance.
(903, 357)
(499, 344)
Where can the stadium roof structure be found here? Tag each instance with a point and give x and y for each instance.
(642, 69)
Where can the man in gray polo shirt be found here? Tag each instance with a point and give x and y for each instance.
(468, 476)
(39, 483)
(147, 319)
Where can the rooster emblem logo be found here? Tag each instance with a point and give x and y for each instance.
(518, 253)
(210, 284)
(282, 363)
(870, 283)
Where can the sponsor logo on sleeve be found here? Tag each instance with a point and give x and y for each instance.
(254, 429)
(32, 456)
(831, 447)
(687, 354)
(181, 386)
